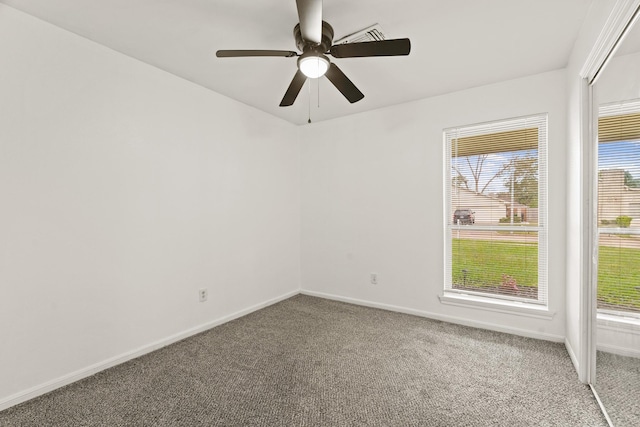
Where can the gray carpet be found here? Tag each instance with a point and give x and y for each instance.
(313, 362)
(618, 385)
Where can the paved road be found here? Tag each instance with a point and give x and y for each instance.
(605, 239)
(620, 242)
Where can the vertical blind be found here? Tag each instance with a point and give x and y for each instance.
(495, 209)
(618, 208)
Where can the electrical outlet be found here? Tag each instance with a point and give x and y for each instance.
(374, 278)
(203, 294)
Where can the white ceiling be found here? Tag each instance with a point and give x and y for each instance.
(455, 44)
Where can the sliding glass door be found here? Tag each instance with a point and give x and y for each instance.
(616, 252)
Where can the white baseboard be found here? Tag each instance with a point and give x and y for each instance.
(572, 355)
(72, 377)
(441, 317)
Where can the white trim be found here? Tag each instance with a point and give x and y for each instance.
(619, 108)
(539, 121)
(602, 408)
(537, 311)
(588, 213)
(512, 123)
(443, 318)
(72, 377)
(607, 42)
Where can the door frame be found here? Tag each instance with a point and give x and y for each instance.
(623, 16)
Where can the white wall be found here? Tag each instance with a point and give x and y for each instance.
(372, 201)
(124, 190)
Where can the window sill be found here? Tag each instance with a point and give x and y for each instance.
(501, 306)
(619, 323)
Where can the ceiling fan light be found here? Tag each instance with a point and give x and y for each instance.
(313, 66)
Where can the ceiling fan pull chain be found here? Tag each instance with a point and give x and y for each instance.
(309, 80)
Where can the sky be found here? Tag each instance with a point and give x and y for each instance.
(611, 155)
(620, 155)
(492, 164)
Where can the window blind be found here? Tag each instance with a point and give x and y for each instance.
(495, 209)
(622, 127)
(618, 208)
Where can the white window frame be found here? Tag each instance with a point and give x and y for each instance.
(494, 302)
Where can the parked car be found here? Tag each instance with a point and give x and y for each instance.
(464, 216)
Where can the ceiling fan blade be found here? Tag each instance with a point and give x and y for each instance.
(392, 47)
(294, 89)
(245, 53)
(310, 15)
(343, 84)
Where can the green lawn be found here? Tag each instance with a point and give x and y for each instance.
(619, 278)
(485, 261)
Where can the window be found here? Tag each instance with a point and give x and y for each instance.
(619, 209)
(495, 210)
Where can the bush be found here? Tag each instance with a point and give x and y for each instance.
(507, 220)
(623, 221)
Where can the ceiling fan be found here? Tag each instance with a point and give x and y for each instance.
(314, 37)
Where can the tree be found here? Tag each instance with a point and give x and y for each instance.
(524, 173)
(460, 181)
(475, 165)
(630, 181)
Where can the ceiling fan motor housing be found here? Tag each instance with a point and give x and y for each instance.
(313, 62)
(323, 47)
